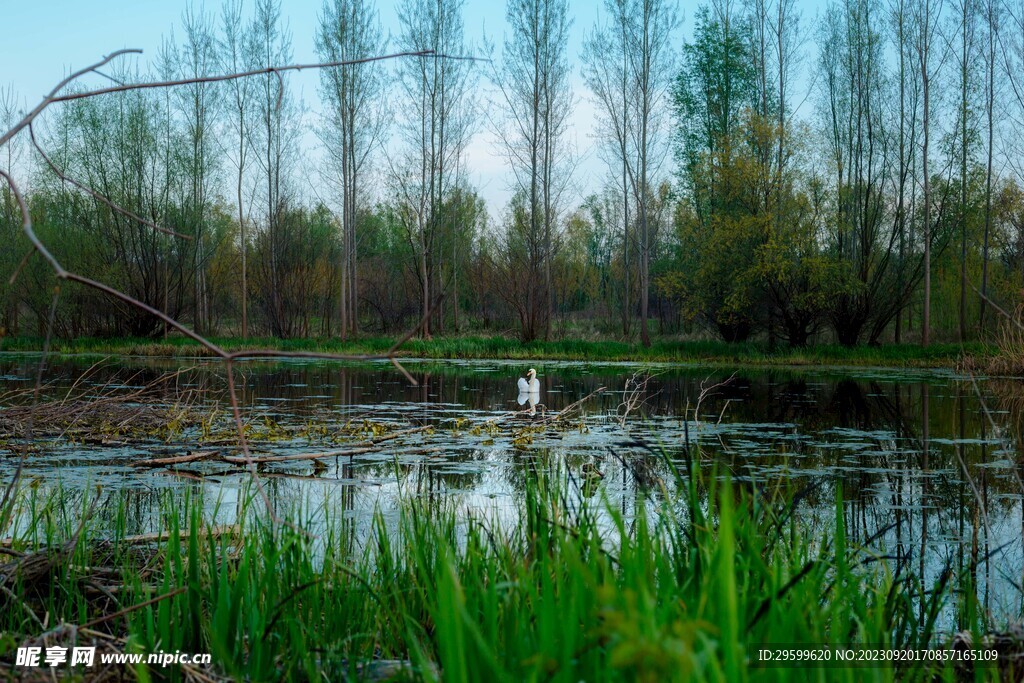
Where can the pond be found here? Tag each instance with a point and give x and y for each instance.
(927, 461)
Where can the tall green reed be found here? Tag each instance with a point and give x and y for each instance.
(688, 584)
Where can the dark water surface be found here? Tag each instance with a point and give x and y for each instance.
(928, 461)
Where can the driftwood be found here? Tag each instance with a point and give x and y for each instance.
(132, 608)
(56, 554)
(184, 474)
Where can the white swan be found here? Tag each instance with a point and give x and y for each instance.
(529, 391)
(530, 383)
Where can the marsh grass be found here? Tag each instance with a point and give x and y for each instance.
(568, 588)
(1008, 360)
(506, 348)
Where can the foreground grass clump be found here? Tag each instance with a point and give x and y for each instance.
(499, 347)
(568, 590)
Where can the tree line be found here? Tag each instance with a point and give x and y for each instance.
(851, 177)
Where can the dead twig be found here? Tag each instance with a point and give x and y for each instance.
(634, 395)
(133, 608)
(706, 391)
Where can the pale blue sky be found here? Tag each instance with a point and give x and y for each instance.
(46, 38)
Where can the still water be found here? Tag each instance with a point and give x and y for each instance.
(927, 461)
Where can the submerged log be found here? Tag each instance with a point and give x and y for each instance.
(177, 459)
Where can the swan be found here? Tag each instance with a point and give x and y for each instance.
(530, 383)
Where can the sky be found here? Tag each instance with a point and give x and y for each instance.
(47, 38)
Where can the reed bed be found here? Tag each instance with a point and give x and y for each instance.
(687, 585)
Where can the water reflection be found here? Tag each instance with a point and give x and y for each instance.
(928, 469)
(529, 397)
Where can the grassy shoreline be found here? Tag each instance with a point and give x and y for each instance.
(504, 348)
(557, 594)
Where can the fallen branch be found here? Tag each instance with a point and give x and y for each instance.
(561, 415)
(634, 394)
(236, 460)
(220, 530)
(29, 568)
(177, 459)
(314, 456)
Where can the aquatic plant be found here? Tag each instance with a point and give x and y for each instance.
(684, 586)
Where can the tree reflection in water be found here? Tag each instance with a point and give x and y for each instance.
(929, 479)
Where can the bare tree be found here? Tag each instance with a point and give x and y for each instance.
(536, 103)
(235, 57)
(643, 30)
(606, 72)
(963, 32)
(10, 155)
(12, 152)
(274, 137)
(436, 124)
(992, 21)
(926, 16)
(651, 64)
(905, 190)
(353, 124)
(197, 105)
(785, 41)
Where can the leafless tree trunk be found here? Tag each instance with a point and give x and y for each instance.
(606, 72)
(991, 34)
(275, 137)
(353, 126)
(11, 153)
(436, 124)
(235, 57)
(926, 15)
(633, 109)
(198, 107)
(536, 103)
(905, 136)
(966, 14)
(651, 66)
